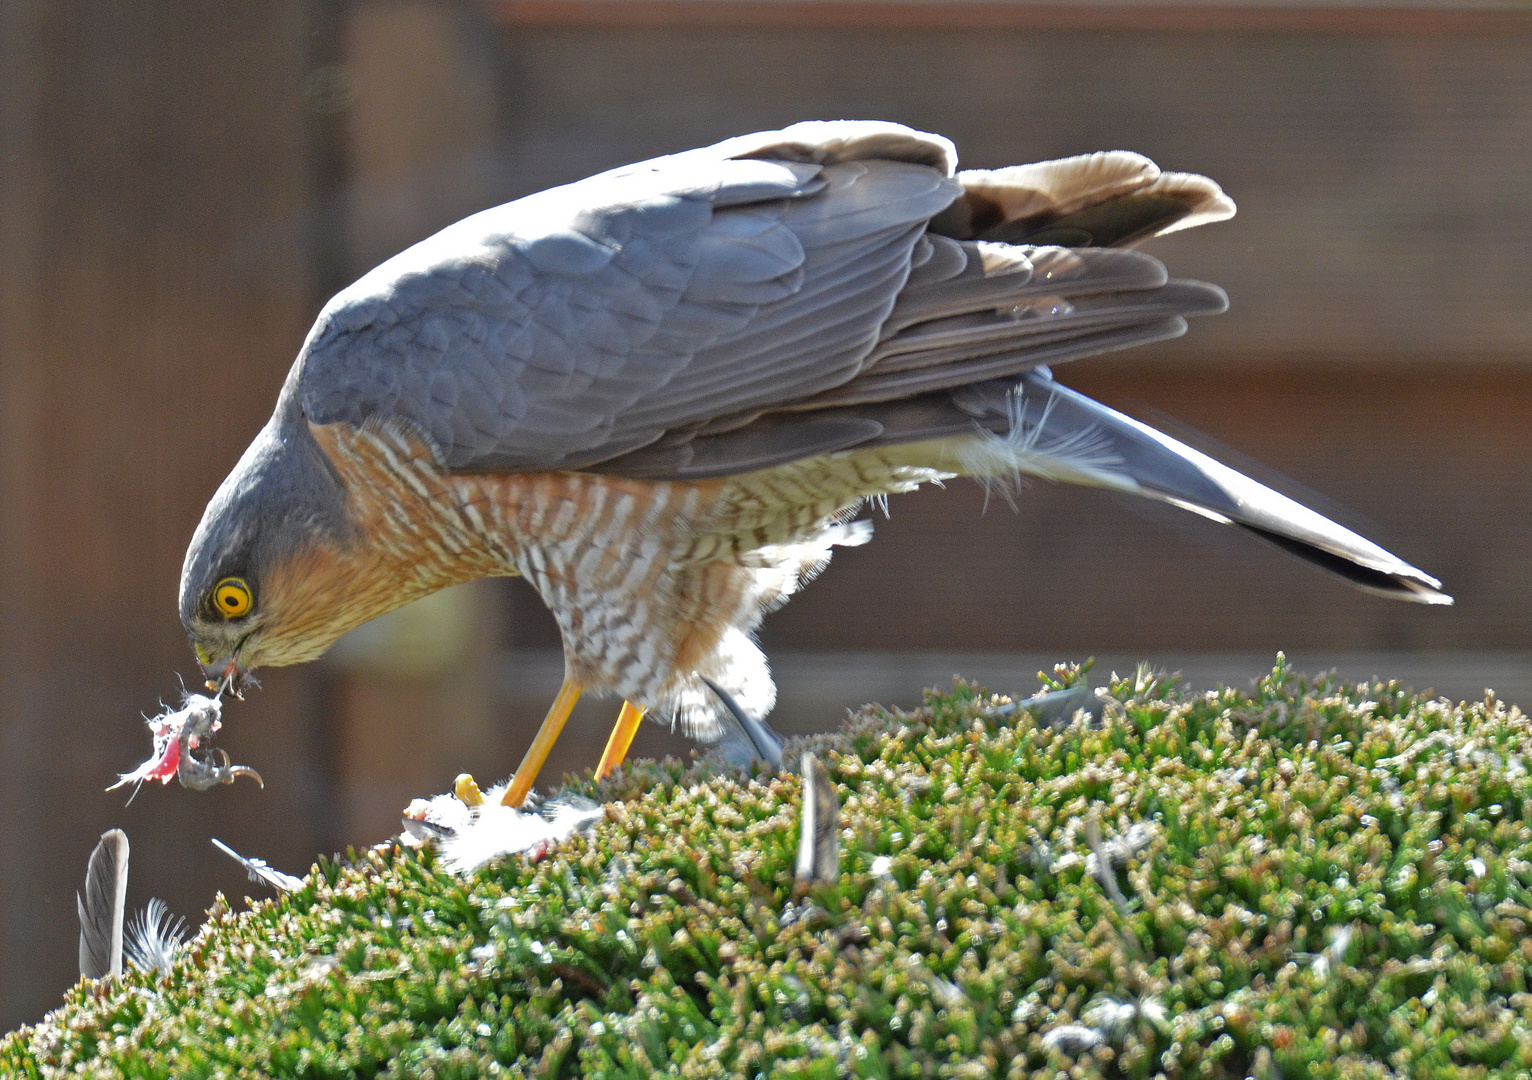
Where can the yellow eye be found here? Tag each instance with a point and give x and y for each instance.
(231, 597)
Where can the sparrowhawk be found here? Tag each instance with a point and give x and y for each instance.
(660, 395)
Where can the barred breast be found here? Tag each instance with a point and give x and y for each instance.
(652, 583)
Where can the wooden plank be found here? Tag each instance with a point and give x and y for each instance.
(1381, 181)
(157, 283)
(1106, 17)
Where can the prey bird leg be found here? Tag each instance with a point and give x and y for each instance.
(194, 772)
(174, 734)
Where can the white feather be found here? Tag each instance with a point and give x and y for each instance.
(154, 938)
(497, 829)
(1001, 462)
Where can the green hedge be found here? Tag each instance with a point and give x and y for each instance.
(1308, 879)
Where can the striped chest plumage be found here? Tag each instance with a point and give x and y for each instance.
(651, 582)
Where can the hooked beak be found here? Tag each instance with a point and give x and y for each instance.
(224, 674)
(229, 678)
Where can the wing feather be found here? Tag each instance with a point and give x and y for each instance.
(1059, 350)
(578, 323)
(786, 270)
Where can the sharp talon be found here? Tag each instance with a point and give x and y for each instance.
(467, 790)
(244, 770)
(200, 774)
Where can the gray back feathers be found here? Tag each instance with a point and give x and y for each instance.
(786, 270)
(570, 326)
(791, 294)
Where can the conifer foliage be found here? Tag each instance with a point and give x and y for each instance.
(1303, 879)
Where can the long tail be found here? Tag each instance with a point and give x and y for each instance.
(1028, 269)
(1041, 428)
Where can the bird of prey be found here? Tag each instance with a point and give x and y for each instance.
(660, 395)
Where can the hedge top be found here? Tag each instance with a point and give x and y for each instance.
(1306, 879)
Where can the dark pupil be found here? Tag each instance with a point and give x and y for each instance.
(230, 600)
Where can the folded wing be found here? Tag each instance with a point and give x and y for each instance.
(792, 294)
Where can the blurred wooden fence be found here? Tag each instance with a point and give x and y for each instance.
(181, 190)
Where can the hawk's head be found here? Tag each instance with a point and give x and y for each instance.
(265, 580)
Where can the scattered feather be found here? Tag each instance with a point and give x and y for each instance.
(1114, 1019)
(1072, 1040)
(155, 938)
(819, 827)
(1057, 706)
(1104, 871)
(260, 871)
(1332, 956)
(495, 829)
(946, 992)
(1111, 1018)
(1335, 952)
(101, 908)
(1115, 851)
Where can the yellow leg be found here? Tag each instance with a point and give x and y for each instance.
(622, 738)
(547, 735)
